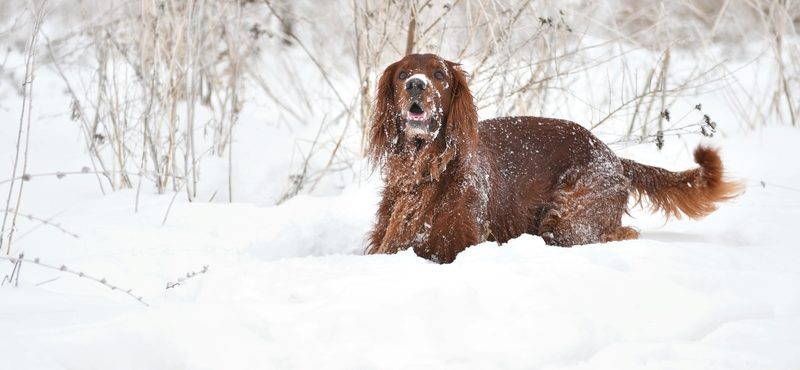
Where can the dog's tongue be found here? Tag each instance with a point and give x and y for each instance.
(417, 116)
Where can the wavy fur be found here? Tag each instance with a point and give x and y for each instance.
(694, 193)
(469, 181)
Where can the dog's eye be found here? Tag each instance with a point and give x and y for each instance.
(403, 75)
(439, 75)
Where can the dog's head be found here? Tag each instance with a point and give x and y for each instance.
(423, 104)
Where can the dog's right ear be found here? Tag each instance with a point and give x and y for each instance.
(383, 130)
(462, 120)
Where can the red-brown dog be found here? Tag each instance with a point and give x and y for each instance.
(452, 182)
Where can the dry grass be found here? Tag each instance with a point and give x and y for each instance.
(168, 79)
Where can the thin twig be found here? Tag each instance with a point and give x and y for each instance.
(27, 100)
(188, 276)
(19, 259)
(61, 174)
(42, 222)
(300, 179)
(316, 62)
(169, 208)
(94, 155)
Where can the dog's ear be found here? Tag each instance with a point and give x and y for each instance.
(383, 131)
(462, 120)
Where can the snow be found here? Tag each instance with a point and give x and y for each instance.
(287, 285)
(422, 77)
(288, 288)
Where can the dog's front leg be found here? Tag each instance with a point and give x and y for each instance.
(451, 231)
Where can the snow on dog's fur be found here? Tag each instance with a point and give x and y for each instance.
(452, 181)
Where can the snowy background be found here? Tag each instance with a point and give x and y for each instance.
(220, 140)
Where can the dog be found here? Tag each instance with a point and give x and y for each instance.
(452, 181)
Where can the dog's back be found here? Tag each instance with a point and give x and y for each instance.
(530, 157)
(569, 187)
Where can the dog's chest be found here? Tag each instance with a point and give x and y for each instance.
(412, 218)
(425, 213)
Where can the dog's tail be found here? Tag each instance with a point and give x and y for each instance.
(694, 193)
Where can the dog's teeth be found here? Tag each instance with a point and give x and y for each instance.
(417, 116)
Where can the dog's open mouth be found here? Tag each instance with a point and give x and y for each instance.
(421, 126)
(416, 113)
(418, 121)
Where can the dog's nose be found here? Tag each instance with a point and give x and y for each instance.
(416, 84)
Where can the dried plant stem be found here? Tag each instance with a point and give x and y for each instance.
(188, 276)
(190, 158)
(14, 276)
(234, 94)
(21, 258)
(412, 27)
(332, 156)
(661, 89)
(300, 179)
(27, 104)
(639, 100)
(783, 84)
(94, 156)
(146, 136)
(314, 60)
(523, 56)
(62, 174)
(42, 222)
(169, 208)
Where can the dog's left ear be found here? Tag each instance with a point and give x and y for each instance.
(462, 120)
(383, 123)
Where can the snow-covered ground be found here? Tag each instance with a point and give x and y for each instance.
(287, 286)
